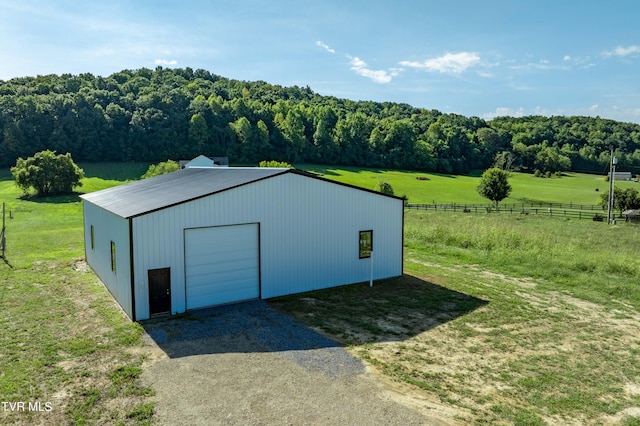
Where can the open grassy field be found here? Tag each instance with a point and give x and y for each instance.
(573, 188)
(500, 319)
(65, 345)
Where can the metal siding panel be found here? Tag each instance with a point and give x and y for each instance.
(109, 227)
(308, 235)
(317, 236)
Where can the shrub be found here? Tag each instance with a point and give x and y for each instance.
(161, 168)
(384, 187)
(275, 164)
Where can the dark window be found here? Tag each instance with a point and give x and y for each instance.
(366, 244)
(92, 240)
(113, 256)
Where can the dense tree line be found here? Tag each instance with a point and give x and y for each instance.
(154, 115)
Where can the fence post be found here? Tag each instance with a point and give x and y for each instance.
(3, 238)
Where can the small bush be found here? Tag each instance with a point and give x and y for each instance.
(161, 168)
(275, 164)
(384, 187)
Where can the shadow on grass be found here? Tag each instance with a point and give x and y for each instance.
(318, 170)
(6, 262)
(5, 175)
(73, 197)
(392, 310)
(119, 171)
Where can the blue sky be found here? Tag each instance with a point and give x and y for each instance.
(476, 58)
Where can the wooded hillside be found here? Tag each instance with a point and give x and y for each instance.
(154, 115)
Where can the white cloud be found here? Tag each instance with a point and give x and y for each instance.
(165, 62)
(379, 76)
(543, 64)
(450, 63)
(622, 51)
(504, 112)
(325, 47)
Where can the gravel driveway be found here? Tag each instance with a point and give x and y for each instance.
(252, 365)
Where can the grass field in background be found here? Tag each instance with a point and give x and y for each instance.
(573, 188)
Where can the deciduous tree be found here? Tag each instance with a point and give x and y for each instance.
(47, 173)
(494, 185)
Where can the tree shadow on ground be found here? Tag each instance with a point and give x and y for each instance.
(119, 171)
(73, 197)
(392, 310)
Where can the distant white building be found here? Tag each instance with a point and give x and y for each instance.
(202, 237)
(621, 175)
(204, 161)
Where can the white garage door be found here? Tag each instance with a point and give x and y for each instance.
(221, 265)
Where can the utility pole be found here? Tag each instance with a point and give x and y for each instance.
(612, 170)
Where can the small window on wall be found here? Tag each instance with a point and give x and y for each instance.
(92, 239)
(113, 256)
(366, 244)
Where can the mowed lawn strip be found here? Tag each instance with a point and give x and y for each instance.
(428, 188)
(500, 318)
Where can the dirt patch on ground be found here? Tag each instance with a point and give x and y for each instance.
(511, 353)
(249, 364)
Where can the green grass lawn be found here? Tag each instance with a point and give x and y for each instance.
(500, 319)
(573, 188)
(64, 341)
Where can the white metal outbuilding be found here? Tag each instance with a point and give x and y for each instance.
(203, 237)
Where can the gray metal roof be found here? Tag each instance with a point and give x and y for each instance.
(147, 195)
